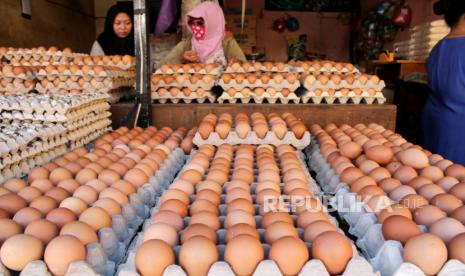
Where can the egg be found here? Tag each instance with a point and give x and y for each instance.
(272, 217)
(70, 185)
(426, 251)
(115, 194)
(391, 225)
(197, 255)
(13, 255)
(124, 187)
(44, 185)
(85, 233)
(243, 253)
(455, 170)
(207, 218)
(458, 190)
(278, 230)
(377, 203)
(42, 229)
(414, 158)
(405, 174)
(14, 185)
(85, 175)
(175, 206)
(456, 248)
(57, 193)
(9, 228)
(76, 205)
(175, 194)
(108, 204)
(198, 229)
(61, 252)
(447, 228)
(61, 216)
(334, 250)
(59, 174)
(27, 215)
(96, 217)
(413, 201)
(88, 194)
(237, 217)
(153, 257)
(169, 218)
(316, 228)
(96, 184)
(241, 229)
(307, 217)
(447, 182)
(290, 254)
(380, 154)
(203, 205)
(400, 192)
(433, 173)
(349, 175)
(29, 193)
(446, 202)
(161, 231)
(44, 204)
(361, 183)
(210, 196)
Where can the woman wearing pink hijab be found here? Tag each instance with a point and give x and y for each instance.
(209, 42)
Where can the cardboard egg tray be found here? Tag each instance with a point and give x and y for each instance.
(120, 64)
(23, 166)
(88, 129)
(107, 72)
(252, 139)
(185, 82)
(189, 69)
(356, 266)
(319, 68)
(265, 97)
(28, 75)
(312, 82)
(284, 84)
(319, 97)
(207, 96)
(93, 86)
(385, 255)
(258, 67)
(103, 257)
(88, 138)
(87, 119)
(18, 86)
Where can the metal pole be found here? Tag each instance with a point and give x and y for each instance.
(143, 70)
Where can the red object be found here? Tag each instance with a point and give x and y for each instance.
(402, 17)
(279, 25)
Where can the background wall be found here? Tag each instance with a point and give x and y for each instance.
(61, 23)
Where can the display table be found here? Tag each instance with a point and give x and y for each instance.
(189, 115)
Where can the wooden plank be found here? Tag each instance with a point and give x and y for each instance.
(189, 115)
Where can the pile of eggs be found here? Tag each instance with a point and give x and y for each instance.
(189, 68)
(120, 61)
(248, 67)
(323, 67)
(17, 79)
(405, 186)
(64, 203)
(39, 56)
(218, 203)
(257, 124)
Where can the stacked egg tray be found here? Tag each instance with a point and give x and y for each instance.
(74, 72)
(197, 68)
(248, 67)
(343, 89)
(325, 67)
(36, 56)
(102, 257)
(386, 256)
(16, 79)
(278, 87)
(124, 62)
(93, 86)
(195, 87)
(357, 265)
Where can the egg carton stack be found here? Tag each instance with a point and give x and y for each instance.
(17, 79)
(125, 62)
(184, 83)
(274, 130)
(83, 116)
(394, 185)
(323, 67)
(257, 82)
(227, 228)
(40, 56)
(108, 204)
(423, 38)
(76, 79)
(343, 89)
(24, 145)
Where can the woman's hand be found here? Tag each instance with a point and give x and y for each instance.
(190, 57)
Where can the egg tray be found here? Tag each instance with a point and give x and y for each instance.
(88, 129)
(252, 139)
(184, 81)
(319, 97)
(207, 96)
(22, 167)
(190, 70)
(83, 141)
(103, 257)
(284, 84)
(356, 266)
(104, 85)
(121, 65)
(105, 72)
(28, 75)
(312, 82)
(318, 67)
(87, 119)
(258, 67)
(18, 87)
(385, 256)
(265, 97)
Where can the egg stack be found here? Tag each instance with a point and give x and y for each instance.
(258, 129)
(17, 79)
(323, 67)
(184, 83)
(271, 82)
(79, 212)
(343, 88)
(403, 197)
(125, 62)
(40, 56)
(216, 217)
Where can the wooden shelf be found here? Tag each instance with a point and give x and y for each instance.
(189, 115)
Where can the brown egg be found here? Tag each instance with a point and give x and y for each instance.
(433, 173)
(203, 205)
(405, 174)
(13, 255)
(427, 215)
(243, 254)
(9, 228)
(316, 228)
(175, 206)
(198, 229)
(430, 190)
(44, 204)
(455, 170)
(391, 225)
(456, 248)
(197, 255)
(361, 183)
(61, 252)
(14, 185)
(447, 182)
(447, 229)
(368, 165)
(27, 215)
(58, 194)
(38, 173)
(272, 217)
(29, 193)
(42, 229)
(459, 214)
(349, 175)
(136, 177)
(108, 176)
(161, 231)
(207, 218)
(379, 174)
(207, 185)
(238, 217)
(70, 185)
(446, 202)
(307, 217)
(86, 193)
(414, 158)
(175, 194)
(290, 254)
(153, 257)
(98, 185)
(380, 154)
(370, 191)
(278, 230)
(419, 181)
(378, 203)
(208, 195)
(124, 186)
(80, 230)
(85, 175)
(389, 184)
(168, 217)
(334, 250)
(115, 194)
(400, 192)
(458, 190)
(76, 205)
(394, 210)
(61, 216)
(413, 201)
(59, 174)
(110, 205)
(426, 251)
(96, 217)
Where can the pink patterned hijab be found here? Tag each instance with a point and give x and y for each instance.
(213, 17)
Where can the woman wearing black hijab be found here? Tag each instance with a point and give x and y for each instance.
(118, 35)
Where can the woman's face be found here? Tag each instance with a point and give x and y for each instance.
(122, 25)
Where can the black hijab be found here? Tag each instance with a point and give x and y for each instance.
(108, 40)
